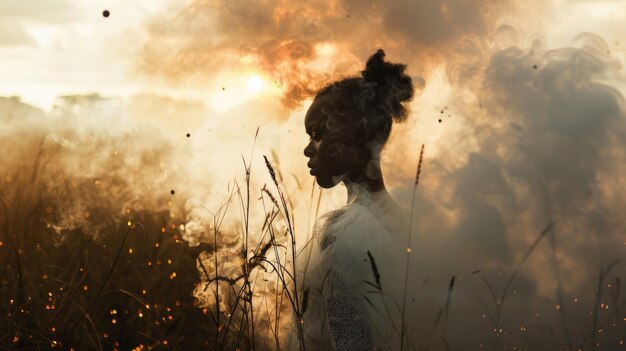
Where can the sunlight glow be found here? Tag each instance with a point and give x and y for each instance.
(255, 83)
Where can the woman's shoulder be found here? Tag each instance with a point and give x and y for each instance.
(348, 215)
(350, 223)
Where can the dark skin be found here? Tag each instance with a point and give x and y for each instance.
(337, 152)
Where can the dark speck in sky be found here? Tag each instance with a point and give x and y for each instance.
(188, 135)
(534, 66)
(439, 120)
(106, 13)
(172, 192)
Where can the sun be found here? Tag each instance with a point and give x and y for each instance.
(255, 83)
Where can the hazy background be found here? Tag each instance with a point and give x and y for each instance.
(520, 106)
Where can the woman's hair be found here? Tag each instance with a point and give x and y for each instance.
(372, 102)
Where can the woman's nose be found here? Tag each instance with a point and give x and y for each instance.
(309, 150)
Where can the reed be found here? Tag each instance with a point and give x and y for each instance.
(91, 282)
(409, 249)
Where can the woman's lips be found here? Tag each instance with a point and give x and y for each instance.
(313, 169)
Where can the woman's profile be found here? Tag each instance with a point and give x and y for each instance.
(351, 304)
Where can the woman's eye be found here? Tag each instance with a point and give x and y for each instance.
(315, 136)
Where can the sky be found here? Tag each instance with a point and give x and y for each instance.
(520, 106)
(69, 47)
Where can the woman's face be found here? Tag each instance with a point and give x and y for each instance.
(329, 155)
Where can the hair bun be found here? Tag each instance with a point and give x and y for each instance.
(393, 86)
(374, 69)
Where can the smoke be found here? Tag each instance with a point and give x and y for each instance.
(520, 132)
(541, 142)
(299, 46)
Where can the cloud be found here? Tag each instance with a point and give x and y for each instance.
(536, 135)
(51, 11)
(302, 45)
(12, 33)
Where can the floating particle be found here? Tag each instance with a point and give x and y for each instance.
(106, 13)
(188, 135)
(172, 192)
(441, 111)
(348, 16)
(439, 120)
(223, 88)
(534, 66)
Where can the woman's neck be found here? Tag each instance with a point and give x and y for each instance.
(365, 191)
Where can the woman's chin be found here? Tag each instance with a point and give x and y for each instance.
(325, 182)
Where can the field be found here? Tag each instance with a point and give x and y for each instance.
(82, 272)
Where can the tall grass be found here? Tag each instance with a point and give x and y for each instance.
(409, 248)
(131, 288)
(125, 289)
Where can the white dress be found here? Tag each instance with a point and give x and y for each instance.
(351, 304)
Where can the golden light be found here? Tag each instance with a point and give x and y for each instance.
(255, 83)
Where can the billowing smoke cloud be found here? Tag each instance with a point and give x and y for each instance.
(301, 45)
(538, 140)
(530, 134)
(541, 142)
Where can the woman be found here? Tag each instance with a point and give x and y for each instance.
(351, 299)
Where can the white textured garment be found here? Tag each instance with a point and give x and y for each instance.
(346, 308)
